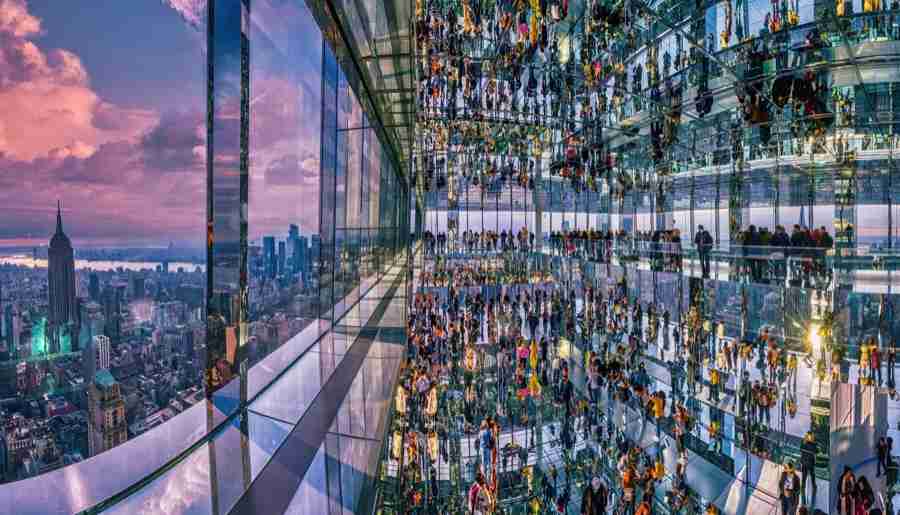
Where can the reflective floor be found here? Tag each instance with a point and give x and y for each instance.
(535, 384)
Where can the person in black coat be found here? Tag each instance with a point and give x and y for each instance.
(808, 450)
(594, 498)
(704, 243)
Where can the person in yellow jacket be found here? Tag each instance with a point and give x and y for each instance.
(659, 469)
(533, 356)
(864, 352)
(659, 411)
(792, 371)
(714, 380)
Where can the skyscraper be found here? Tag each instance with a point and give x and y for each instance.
(94, 286)
(299, 257)
(61, 281)
(293, 235)
(269, 256)
(281, 257)
(315, 245)
(101, 352)
(107, 427)
(138, 289)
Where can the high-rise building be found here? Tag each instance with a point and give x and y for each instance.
(269, 256)
(300, 255)
(94, 286)
(101, 352)
(293, 237)
(7, 323)
(107, 427)
(138, 288)
(315, 244)
(61, 279)
(281, 257)
(112, 311)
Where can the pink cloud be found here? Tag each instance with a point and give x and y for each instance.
(15, 19)
(47, 98)
(284, 154)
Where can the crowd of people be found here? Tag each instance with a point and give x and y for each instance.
(757, 253)
(765, 253)
(484, 241)
(506, 353)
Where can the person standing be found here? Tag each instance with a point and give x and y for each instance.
(846, 488)
(714, 380)
(659, 411)
(479, 496)
(486, 438)
(808, 450)
(788, 489)
(704, 243)
(875, 362)
(882, 450)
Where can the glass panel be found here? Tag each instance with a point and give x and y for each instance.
(289, 397)
(312, 496)
(283, 218)
(241, 452)
(182, 490)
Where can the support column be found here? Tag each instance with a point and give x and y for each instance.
(227, 179)
(228, 121)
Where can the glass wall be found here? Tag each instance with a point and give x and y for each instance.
(113, 333)
(283, 218)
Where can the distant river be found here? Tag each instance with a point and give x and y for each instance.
(100, 266)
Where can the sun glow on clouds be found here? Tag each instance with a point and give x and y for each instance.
(115, 166)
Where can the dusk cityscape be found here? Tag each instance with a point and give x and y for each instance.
(449, 257)
(120, 332)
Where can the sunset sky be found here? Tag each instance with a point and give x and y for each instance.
(104, 108)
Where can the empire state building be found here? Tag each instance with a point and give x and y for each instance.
(61, 280)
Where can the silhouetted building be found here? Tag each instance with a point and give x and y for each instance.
(281, 257)
(300, 256)
(315, 245)
(94, 287)
(138, 288)
(269, 256)
(61, 284)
